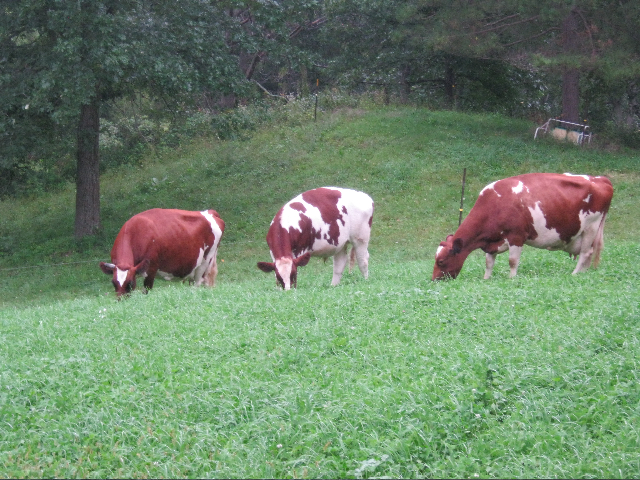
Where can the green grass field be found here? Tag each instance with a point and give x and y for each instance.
(396, 376)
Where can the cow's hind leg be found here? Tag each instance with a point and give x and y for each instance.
(589, 240)
(362, 256)
(339, 262)
(207, 271)
(584, 260)
(514, 259)
(211, 273)
(352, 259)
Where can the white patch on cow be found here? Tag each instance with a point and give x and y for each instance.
(586, 200)
(197, 274)
(291, 217)
(121, 276)
(440, 248)
(589, 223)
(206, 265)
(490, 187)
(201, 255)
(284, 266)
(214, 226)
(518, 188)
(165, 275)
(547, 237)
(586, 177)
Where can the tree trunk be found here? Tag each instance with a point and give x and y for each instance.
(88, 172)
(449, 82)
(405, 86)
(571, 74)
(252, 65)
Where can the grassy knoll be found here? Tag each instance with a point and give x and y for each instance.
(396, 376)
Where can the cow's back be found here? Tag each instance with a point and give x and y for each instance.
(529, 203)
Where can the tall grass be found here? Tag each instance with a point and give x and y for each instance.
(395, 376)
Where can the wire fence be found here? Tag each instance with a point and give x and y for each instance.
(64, 264)
(47, 265)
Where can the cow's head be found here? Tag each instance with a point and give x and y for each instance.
(124, 279)
(449, 259)
(286, 269)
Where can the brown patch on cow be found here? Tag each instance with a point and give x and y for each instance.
(298, 206)
(570, 192)
(169, 240)
(292, 242)
(302, 240)
(278, 238)
(326, 201)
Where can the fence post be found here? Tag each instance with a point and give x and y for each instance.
(464, 178)
(315, 109)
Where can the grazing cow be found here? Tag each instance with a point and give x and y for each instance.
(173, 243)
(320, 222)
(544, 210)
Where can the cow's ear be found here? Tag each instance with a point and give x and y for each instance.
(302, 260)
(141, 268)
(107, 268)
(457, 246)
(267, 266)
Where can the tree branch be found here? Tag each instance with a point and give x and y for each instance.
(316, 23)
(503, 19)
(530, 38)
(269, 93)
(586, 27)
(254, 61)
(535, 17)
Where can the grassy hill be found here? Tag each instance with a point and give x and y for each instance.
(409, 160)
(395, 376)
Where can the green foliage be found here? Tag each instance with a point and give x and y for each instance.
(56, 57)
(505, 56)
(500, 56)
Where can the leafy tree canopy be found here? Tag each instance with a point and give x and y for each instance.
(58, 58)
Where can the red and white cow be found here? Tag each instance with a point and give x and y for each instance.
(172, 243)
(320, 222)
(543, 210)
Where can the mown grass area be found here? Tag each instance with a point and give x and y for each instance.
(396, 376)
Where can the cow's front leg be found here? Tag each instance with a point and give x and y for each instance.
(339, 262)
(148, 281)
(491, 258)
(490, 262)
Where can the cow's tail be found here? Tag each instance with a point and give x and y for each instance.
(598, 242)
(352, 259)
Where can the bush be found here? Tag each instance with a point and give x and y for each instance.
(622, 135)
